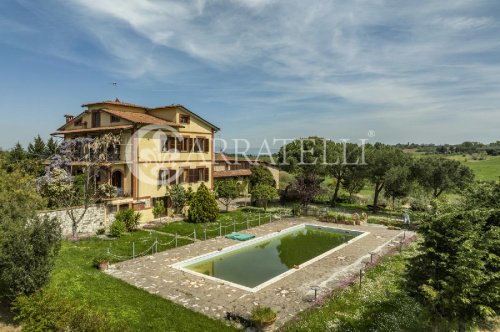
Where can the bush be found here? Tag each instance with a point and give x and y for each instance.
(99, 260)
(27, 254)
(263, 314)
(159, 209)
(203, 206)
(117, 228)
(129, 218)
(48, 311)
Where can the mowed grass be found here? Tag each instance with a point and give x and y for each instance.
(485, 170)
(382, 303)
(230, 221)
(74, 277)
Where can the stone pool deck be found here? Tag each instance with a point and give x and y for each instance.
(288, 296)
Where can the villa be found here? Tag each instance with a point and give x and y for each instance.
(159, 146)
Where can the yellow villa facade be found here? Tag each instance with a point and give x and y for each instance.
(158, 147)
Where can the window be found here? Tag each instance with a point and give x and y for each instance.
(186, 144)
(201, 144)
(198, 174)
(193, 175)
(184, 119)
(206, 145)
(114, 118)
(78, 122)
(168, 144)
(198, 144)
(163, 177)
(182, 175)
(96, 119)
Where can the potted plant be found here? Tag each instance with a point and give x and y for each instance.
(101, 262)
(264, 318)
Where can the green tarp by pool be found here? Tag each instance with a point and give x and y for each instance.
(239, 236)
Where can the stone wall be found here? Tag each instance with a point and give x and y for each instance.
(94, 218)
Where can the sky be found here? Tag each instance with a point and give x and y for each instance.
(390, 71)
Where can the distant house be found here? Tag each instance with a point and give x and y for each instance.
(227, 167)
(146, 162)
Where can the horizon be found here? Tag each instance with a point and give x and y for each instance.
(423, 72)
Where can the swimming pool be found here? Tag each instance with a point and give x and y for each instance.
(257, 263)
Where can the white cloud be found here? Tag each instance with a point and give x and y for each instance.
(375, 59)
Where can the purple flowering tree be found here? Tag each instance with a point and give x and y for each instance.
(71, 178)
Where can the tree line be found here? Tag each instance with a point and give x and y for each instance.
(390, 171)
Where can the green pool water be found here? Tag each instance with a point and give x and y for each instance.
(250, 266)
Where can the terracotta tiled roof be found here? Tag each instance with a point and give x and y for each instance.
(114, 102)
(141, 118)
(236, 172)
(222, 157)
(89, 130)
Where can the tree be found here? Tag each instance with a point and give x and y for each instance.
(450, 273)
(159, 209)
(179, 197)
(227, 191)
(456, 273)
(203, 207)
(380, 159)
(51, 147)
(37, 149)
(261, 175)
(353, 181)
(305, 159)
(439, 175)
(28, 243)
(307, 187)
(397, 183)
(342, 159)
(263, 193)
(71, 178)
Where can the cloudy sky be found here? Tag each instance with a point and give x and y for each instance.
(408, 71)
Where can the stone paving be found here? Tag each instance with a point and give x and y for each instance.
(288, 296)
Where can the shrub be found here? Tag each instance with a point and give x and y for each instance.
(117, 228)
(263, 193)
(203, 206)
(28, 249)
(129, 218)
(263, 314)
(48, 311)
(99, 260)
(159, 209)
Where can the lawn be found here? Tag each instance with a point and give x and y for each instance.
(75, 278)
(230, 221)
(485, 170)
(380, 305)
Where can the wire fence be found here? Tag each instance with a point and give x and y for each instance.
(160, 241)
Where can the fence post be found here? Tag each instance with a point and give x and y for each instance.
(220, 229)
(176, 239)
(133, 250)
(156, 245)
(205, 231)
(194, 233)
(259, 218)
(234, 226)
(109, 250)
(360, 277)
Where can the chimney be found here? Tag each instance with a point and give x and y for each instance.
(68, 117)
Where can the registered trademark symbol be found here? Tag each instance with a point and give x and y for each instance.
(371, 133)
